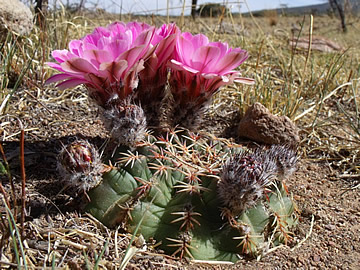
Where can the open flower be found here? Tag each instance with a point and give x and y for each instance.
(107, 61)
(199, 69)
(202, 67)
(155, 72)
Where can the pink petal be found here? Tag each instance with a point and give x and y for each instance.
(144, 38)
(133, 55)
(91, 42)
(224, 48)
(137, 28)
(205, 58)
(78, 65)
(96, 57)
(117, 27)
(180, 66)
(96, 81)
(214, 84)
(199, 40)
(70, 83)
(55, 66)
(117, 47)
(165, 31)
(209, 76)
(165, 49)
(114, 70)
(99, 31)
(185, 50)
(62, 55)
(231, 61)
(151, 67)
(58, 77)
(75, 46)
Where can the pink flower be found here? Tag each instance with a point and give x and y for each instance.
(133, 60)
(107, 61)
(201, 67)
(164, 41)
(153, 77)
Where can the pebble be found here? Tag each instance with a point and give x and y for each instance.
(316, 258)
(330, 227)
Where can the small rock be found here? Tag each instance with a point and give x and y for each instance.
(260, 125)
(16, 16)
(330, 227)
(331, 244)
(318, 43)
(316, 258)
(306, 213)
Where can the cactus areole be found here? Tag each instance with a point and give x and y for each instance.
(167, 190)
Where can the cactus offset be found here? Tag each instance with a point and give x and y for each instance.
(170, 188)
(243, 179)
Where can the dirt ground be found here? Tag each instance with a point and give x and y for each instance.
(327, 237)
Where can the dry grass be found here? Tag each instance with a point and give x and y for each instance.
(319, 91)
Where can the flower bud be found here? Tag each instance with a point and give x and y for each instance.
(79, 165)
(125, 121)
(243, 179)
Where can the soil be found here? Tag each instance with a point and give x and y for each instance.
(327, 237)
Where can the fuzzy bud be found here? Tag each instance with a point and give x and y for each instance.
(125, 121)
(243, 179)
(79, 165)
(281, 157)
(285, 158)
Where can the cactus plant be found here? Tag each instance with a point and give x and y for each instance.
(169, 190)
(198, 196)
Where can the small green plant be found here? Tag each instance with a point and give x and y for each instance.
(353, 119)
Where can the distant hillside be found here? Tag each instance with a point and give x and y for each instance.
(354, 7)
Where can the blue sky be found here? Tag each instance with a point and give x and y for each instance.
(160, 6)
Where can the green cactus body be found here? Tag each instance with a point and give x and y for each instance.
(167, 190)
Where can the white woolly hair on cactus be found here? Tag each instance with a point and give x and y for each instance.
(244, 176)
(79, 165)
(286, 159)
(243, 179)
(125, 121)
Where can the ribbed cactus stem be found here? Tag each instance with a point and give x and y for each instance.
(170, 189)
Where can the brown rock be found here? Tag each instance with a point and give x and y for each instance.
(16, 16)
(318, 43)
(260, 125)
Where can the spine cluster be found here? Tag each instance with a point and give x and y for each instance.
(245, 176)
